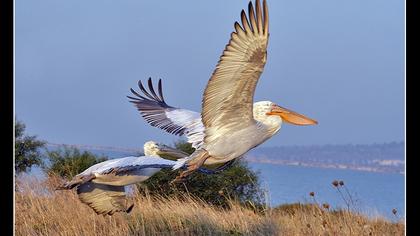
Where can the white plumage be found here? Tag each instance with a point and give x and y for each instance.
(101, 186)
(131, 162)
(191, 121)
(230, 124)
(173, 120)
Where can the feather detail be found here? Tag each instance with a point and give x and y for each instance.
(158, 113)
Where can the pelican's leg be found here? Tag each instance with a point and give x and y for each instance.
(218, 169)
(193, 165)
(225, 166)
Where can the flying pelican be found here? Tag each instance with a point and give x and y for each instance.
(230, 124)
(101, 186)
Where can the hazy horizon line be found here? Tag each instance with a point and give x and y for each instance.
(129, 149)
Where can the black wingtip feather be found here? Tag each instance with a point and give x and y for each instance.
(152, 90)
(245, 22)
(252, 17)
(133, 98)
(160, 91)
(137, 94)
(149, 98)
(238, 27)
(250, 7)
(145, 91)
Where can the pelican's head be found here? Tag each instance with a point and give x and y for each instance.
(151, 148)
(270, 112)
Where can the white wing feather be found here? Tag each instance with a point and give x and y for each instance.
(142, 161)
(192, 122)
(228, 98)
(158, 113)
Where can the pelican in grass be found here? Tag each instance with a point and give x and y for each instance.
(230, 124)
(102, 186)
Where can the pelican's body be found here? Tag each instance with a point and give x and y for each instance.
(101, 186)
(222, 148)
(228, 143)
(230, 124)
(127, 170)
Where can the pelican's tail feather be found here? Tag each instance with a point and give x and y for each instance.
(191, 159)
(76, 181)
(70, 184)
(181, 162)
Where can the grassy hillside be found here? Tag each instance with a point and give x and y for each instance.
(42, 211)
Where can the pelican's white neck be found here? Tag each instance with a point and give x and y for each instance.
(271, 123)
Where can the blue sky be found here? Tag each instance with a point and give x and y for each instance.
(340, 62)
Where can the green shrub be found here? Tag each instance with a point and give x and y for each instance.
(26, 149)
(238, 182)
(70, 161)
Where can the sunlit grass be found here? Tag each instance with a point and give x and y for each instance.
(42, 211)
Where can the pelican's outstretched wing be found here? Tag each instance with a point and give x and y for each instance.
(104, 199)
(141, 168)
(228, 97)
(144, 165)
(158, 113)
(123, 165)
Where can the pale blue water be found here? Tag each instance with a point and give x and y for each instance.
(374, 193)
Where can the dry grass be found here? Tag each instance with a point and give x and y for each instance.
(42, 211)
(310, 219)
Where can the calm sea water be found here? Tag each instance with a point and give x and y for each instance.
(372, 193)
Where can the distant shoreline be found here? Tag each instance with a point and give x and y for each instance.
(379, 158)
(335, 167)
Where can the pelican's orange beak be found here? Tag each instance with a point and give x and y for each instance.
(290, 116)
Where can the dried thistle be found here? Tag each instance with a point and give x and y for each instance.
(335, 183)
(312, 194)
